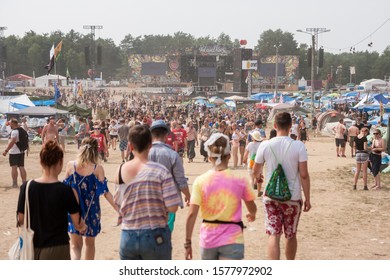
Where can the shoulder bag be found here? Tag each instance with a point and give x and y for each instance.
(23, 248)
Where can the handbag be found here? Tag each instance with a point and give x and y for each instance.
(23, 248)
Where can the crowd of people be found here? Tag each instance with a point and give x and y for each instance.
(154, 139)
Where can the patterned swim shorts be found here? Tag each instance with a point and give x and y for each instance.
(123, 145)
(281, 216)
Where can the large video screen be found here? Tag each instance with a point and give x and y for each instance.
(268, 69)
(154, 68)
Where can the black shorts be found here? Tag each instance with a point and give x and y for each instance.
(340, 142)
(113, 136)
(181, 152)
(16, 160)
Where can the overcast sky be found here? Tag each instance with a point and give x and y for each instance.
(351, 22)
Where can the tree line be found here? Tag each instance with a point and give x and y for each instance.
(30, 53)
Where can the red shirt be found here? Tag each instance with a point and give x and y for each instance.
(180, 136)
(101, 139)
(170, 139)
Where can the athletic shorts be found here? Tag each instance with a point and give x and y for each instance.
(16, 160)
(340, 142)
(361, 157)
(282, 216)
(123, 145)
(232, 251)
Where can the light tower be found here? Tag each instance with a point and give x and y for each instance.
(92, 49)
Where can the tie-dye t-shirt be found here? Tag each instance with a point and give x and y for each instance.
(219, 195)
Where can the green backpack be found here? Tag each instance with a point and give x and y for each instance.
(277, 186)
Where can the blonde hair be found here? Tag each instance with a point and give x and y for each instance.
(88, 152)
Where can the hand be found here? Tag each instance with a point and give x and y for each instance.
(188, 253)
(250, 217)
(187, 200)
(307, 206)
(5, 153)
(260, 179)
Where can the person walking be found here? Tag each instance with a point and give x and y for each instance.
(113, 131)
(192, 139)
(145, 194)
(377, 147)
(162, 153)
(205, 133)
(16, 156)
(362, 154)
(353, 131)
(123, 133)
(339, 131)
(284, 216)
(221, 232)
(87, 179)
(50, 202)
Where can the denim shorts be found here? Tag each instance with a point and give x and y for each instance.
(146, 244)
(231, 251)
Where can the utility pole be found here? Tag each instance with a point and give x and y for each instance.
(92, 49)
(2, 58)
(314, 35)
(276, 70)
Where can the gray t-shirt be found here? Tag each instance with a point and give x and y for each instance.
(123, 132)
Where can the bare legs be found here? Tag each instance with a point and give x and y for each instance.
(235, 156)
(363, 168)
(76, 246)
(14, 175)
(273, 248)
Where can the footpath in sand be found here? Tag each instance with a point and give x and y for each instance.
(342, 224)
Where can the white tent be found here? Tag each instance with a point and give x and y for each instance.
(373, 84)
(48, 80)
(6, 102)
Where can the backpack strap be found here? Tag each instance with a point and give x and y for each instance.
(288, 148)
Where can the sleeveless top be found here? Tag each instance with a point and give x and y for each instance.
(88, 188)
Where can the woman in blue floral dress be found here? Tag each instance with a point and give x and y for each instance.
(88, 181)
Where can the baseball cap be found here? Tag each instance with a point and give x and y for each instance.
(159, 124)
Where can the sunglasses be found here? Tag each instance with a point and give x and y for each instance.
(375, 133)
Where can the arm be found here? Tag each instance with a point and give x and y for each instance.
(9, 146)
(191, 218)
(305, 181)
(252, 209)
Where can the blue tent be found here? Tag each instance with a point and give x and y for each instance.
(51, 102)
(18, 105)
(376, 120)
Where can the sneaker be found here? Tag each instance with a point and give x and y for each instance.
(354, 187)
(365, 188)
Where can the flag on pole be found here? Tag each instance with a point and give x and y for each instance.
(50, 65)
(57, 51)
(57, 94)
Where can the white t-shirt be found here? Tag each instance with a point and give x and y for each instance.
(14, 150)
(252, 148)
(294, 129)
(289, 157)
(113, 129)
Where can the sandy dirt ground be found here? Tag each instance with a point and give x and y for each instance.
(343, 224)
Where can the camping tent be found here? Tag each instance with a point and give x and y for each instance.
(48, 80)
(284, 107)
(38, 111)
(12, 103)
(328, 117)
(374, 84)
